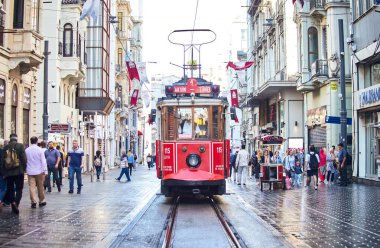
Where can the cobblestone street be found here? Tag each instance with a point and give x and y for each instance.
(330, 217)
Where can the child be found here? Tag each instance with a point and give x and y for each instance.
(298, 175)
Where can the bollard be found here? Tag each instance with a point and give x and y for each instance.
(92, 174)
(104, 173)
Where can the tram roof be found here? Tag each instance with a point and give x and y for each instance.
(190, 101)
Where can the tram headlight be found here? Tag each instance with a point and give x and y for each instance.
(193, 160)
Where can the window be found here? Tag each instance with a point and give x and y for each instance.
(312, 45)
(79, 47)
(18, 14)
(35, 15)
(120, 56)
(14, 101)
(120, 21)
(2, 103)
(68, 40)
(217, 128)
(185, 123)
(375, 73)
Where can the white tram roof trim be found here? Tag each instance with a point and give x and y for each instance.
(195, 102)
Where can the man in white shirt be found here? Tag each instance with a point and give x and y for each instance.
(242, 165)
(36, 169)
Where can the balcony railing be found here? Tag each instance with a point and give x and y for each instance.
(73, 1)
(319, 68)
(317, 4)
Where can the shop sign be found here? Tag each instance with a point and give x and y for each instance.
(316, 116)
(369, 97)
(26, 98)
(334, 86)
(2, 91)
(59, 128)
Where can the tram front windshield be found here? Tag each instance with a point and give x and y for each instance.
(188, 123)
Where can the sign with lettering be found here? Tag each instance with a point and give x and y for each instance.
(334, 86)
(369, 97)
(191, 89)
(316, 116)
(59, 128)
(26, 98)
(2, 91)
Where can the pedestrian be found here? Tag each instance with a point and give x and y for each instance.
(53, 157)
(149, 161)
(233, 170)
(331, 166)
(322, 165)
(13, 169)
(3, 184)
(276, 159)
(298, 173)
(312, 163)
(265, 159)
(60, 166)
(98, 159)
(36, 168)
(256, 167)
(242, 165)
(134, 161)
(290, 163)
(130, 160)
(75, 165)
(342, 158)
(124, 166)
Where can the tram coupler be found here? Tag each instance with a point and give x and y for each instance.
(196, 191)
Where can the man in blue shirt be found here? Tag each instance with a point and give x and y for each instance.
(131, 161)
(53, 157)
(342, 157)
(75, 156)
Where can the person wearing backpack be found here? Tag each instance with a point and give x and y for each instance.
(343, 162)
(13, 168)
(98, 164)
(149, 161)
(312, 163)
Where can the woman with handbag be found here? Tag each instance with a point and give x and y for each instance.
(322, 165)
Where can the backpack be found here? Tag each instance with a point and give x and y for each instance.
(313, 162)
(11, 159)
(97, 161)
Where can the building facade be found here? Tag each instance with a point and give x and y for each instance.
(319, 69)
(20, 57)
(272, 98)
(365, 44)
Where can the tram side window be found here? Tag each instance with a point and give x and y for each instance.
(201, 120)
(215, 123)
(169, 124)
(185, 123)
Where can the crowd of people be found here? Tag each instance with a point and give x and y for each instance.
(323, 166)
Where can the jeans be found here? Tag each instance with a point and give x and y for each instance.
(298, 180)
(242, 174)
(53, 171)
(60, 174)
(15, 184)
(130, 167)
(126, 172)
(3, 188)
(343, 175)
(328, 176)
(78, 172)
(98, 171)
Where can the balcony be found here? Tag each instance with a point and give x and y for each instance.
(305, 86)
(317, 7)
(25, 49)
(94, 100)
(319, 69)
(73, 69)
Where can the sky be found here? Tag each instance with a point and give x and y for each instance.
(160, 18)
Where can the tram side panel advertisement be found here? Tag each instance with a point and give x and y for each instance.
(168, 159)
(218, 158)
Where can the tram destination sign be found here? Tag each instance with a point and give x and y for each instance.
(59, 128)
(186, 89)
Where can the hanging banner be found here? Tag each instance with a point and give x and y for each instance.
(234, 98)
(299, 1)
(134, 97)
(237, 67)
(236, 119)
(141, 68)
(132, 70)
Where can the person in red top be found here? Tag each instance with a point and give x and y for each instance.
(322, 165)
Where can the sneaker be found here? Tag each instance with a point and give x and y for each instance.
(70, 192)
(34, 205)
(238, 184)
(59, 189)
(117, 179)
(42, 204)
(78, 191)
(316, 187)
(49, 190)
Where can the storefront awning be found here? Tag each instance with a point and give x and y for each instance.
(140, 133)
(270, 139)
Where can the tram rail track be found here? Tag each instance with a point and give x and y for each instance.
(169, 230)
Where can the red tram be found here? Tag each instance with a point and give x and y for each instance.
(192, 152)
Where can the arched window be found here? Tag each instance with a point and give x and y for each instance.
(14, 102)
(312, 35)
(68, 40)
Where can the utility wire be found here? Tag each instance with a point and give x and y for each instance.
(195, 19)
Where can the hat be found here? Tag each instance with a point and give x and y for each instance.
(13, 136)
(341, 145)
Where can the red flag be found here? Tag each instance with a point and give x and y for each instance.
(238, 68)
(236, 119)
(134, 97)
(234, 98)
(132, 70)
(302, 2)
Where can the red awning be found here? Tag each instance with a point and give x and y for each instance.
(270, 139)
(139, 133)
